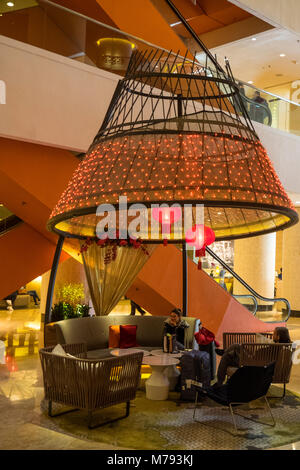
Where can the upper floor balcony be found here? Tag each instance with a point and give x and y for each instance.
(60, 69)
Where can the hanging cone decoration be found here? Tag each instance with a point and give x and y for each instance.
(177, 132)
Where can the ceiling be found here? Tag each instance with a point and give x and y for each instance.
(260, 60)
(205, 15)
(17, 5)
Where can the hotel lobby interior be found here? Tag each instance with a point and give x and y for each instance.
(149, 225)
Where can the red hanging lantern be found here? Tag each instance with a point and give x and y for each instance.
(200, 236)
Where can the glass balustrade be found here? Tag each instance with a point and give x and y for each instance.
(269, 109)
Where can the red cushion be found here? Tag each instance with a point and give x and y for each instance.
(128, 336)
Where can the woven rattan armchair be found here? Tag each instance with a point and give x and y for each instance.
(262, 354)
(258, 354)
(89, 384)
(240, 338)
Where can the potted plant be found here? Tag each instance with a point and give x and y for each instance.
(70, 303)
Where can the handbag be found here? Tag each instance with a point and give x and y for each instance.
(205, 337)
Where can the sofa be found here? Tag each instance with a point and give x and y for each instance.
(94, 331)
(22, 301)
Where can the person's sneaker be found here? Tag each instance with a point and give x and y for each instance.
(219, 351)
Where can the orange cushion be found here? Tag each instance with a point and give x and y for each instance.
(114, 336)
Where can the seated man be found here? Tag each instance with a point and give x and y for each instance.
(32, 293)
(231, 357)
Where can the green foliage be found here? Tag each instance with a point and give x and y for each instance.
(72, 294)
(57, 312)
(64, 311)
(70, 303)
(83, 310)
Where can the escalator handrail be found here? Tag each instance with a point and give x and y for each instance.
(260, 105)
(244, 283)
(239, 296)
(9, 223)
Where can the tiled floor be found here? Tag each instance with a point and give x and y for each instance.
(22, 392)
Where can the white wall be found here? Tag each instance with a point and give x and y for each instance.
(283, 13)
(284, 151)
(51, 99)
(59, 102)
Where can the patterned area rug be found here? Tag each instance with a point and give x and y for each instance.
(169, 425)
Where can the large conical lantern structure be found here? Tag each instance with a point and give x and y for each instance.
(177, 132)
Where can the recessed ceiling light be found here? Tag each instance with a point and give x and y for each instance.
(282, 55)
(10, 4)
(250, 81)
(253, 39)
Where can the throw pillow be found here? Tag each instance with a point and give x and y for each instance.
(114, 336)
(128, 336)
(59, 351)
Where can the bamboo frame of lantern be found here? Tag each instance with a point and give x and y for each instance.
(177, 133)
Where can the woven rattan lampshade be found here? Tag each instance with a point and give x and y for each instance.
(177, 131)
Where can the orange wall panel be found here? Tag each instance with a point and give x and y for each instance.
(143, 20)
(42, 171)
(25, 254)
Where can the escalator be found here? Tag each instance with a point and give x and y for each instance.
(158, 289)
(8, 220)
(257, 108)
(253, 295)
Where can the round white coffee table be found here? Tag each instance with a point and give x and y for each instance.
(171, 372)
(157, 386)
(124, 352)
(160, 352)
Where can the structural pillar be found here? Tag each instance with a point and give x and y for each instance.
(290, 266)
(254, 261)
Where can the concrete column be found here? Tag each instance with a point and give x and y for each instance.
(254, 261)
(290, 265)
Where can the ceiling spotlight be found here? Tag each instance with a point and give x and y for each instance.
(10, 4)
(250, 82)
(253, 39)
(282, 55)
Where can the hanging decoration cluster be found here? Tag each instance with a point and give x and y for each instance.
(112, 245)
